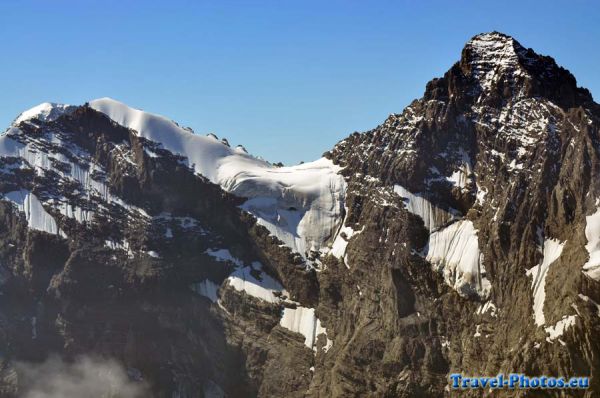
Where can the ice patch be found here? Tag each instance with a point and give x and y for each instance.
(265, 288)
(587, 299)
(488, 307)
(592, 234)
(513, 165)
(338, 248)
(552, 250)
(207, 288)
(35, 214)
(304, 321)
(153, 254)
(460, 178)
(481, 193)
(433, 217)
(454, 251)
(224, 255)
(340, 243)
(561, 326)
(120, 245)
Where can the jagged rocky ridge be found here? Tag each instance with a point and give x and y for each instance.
(461, 235)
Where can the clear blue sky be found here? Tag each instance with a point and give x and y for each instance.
(287, 79)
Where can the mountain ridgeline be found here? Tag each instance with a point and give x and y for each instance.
(460, 236)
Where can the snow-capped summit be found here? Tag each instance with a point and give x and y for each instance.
(45, 112)
(491, 57)
(203, 153)
(314, 189)
(494, 43)
(503, 68)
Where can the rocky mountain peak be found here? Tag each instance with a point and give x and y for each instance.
(502, 70)
(498, 66)
(480, 137)
(490, 53)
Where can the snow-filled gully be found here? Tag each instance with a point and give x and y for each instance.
(453, 250)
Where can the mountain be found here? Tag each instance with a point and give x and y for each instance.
(461, 235)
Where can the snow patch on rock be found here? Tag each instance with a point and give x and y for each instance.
(35, 214)
(454, 251)
(35, 155)
(592, 234)
(481, 194)
(552, 251)
(208, 289)
(487, 307)
(461, 177)
(264, 287)
(224, 255)
(340, 242)
(433, 217)
(587, 299)
(304, 321)
(561, 326)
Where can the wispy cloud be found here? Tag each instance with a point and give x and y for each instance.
(85, 377)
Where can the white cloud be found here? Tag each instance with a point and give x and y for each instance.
(85, 377)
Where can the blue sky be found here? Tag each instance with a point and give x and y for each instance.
(287, 79)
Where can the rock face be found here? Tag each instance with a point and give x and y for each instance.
(462, 235)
